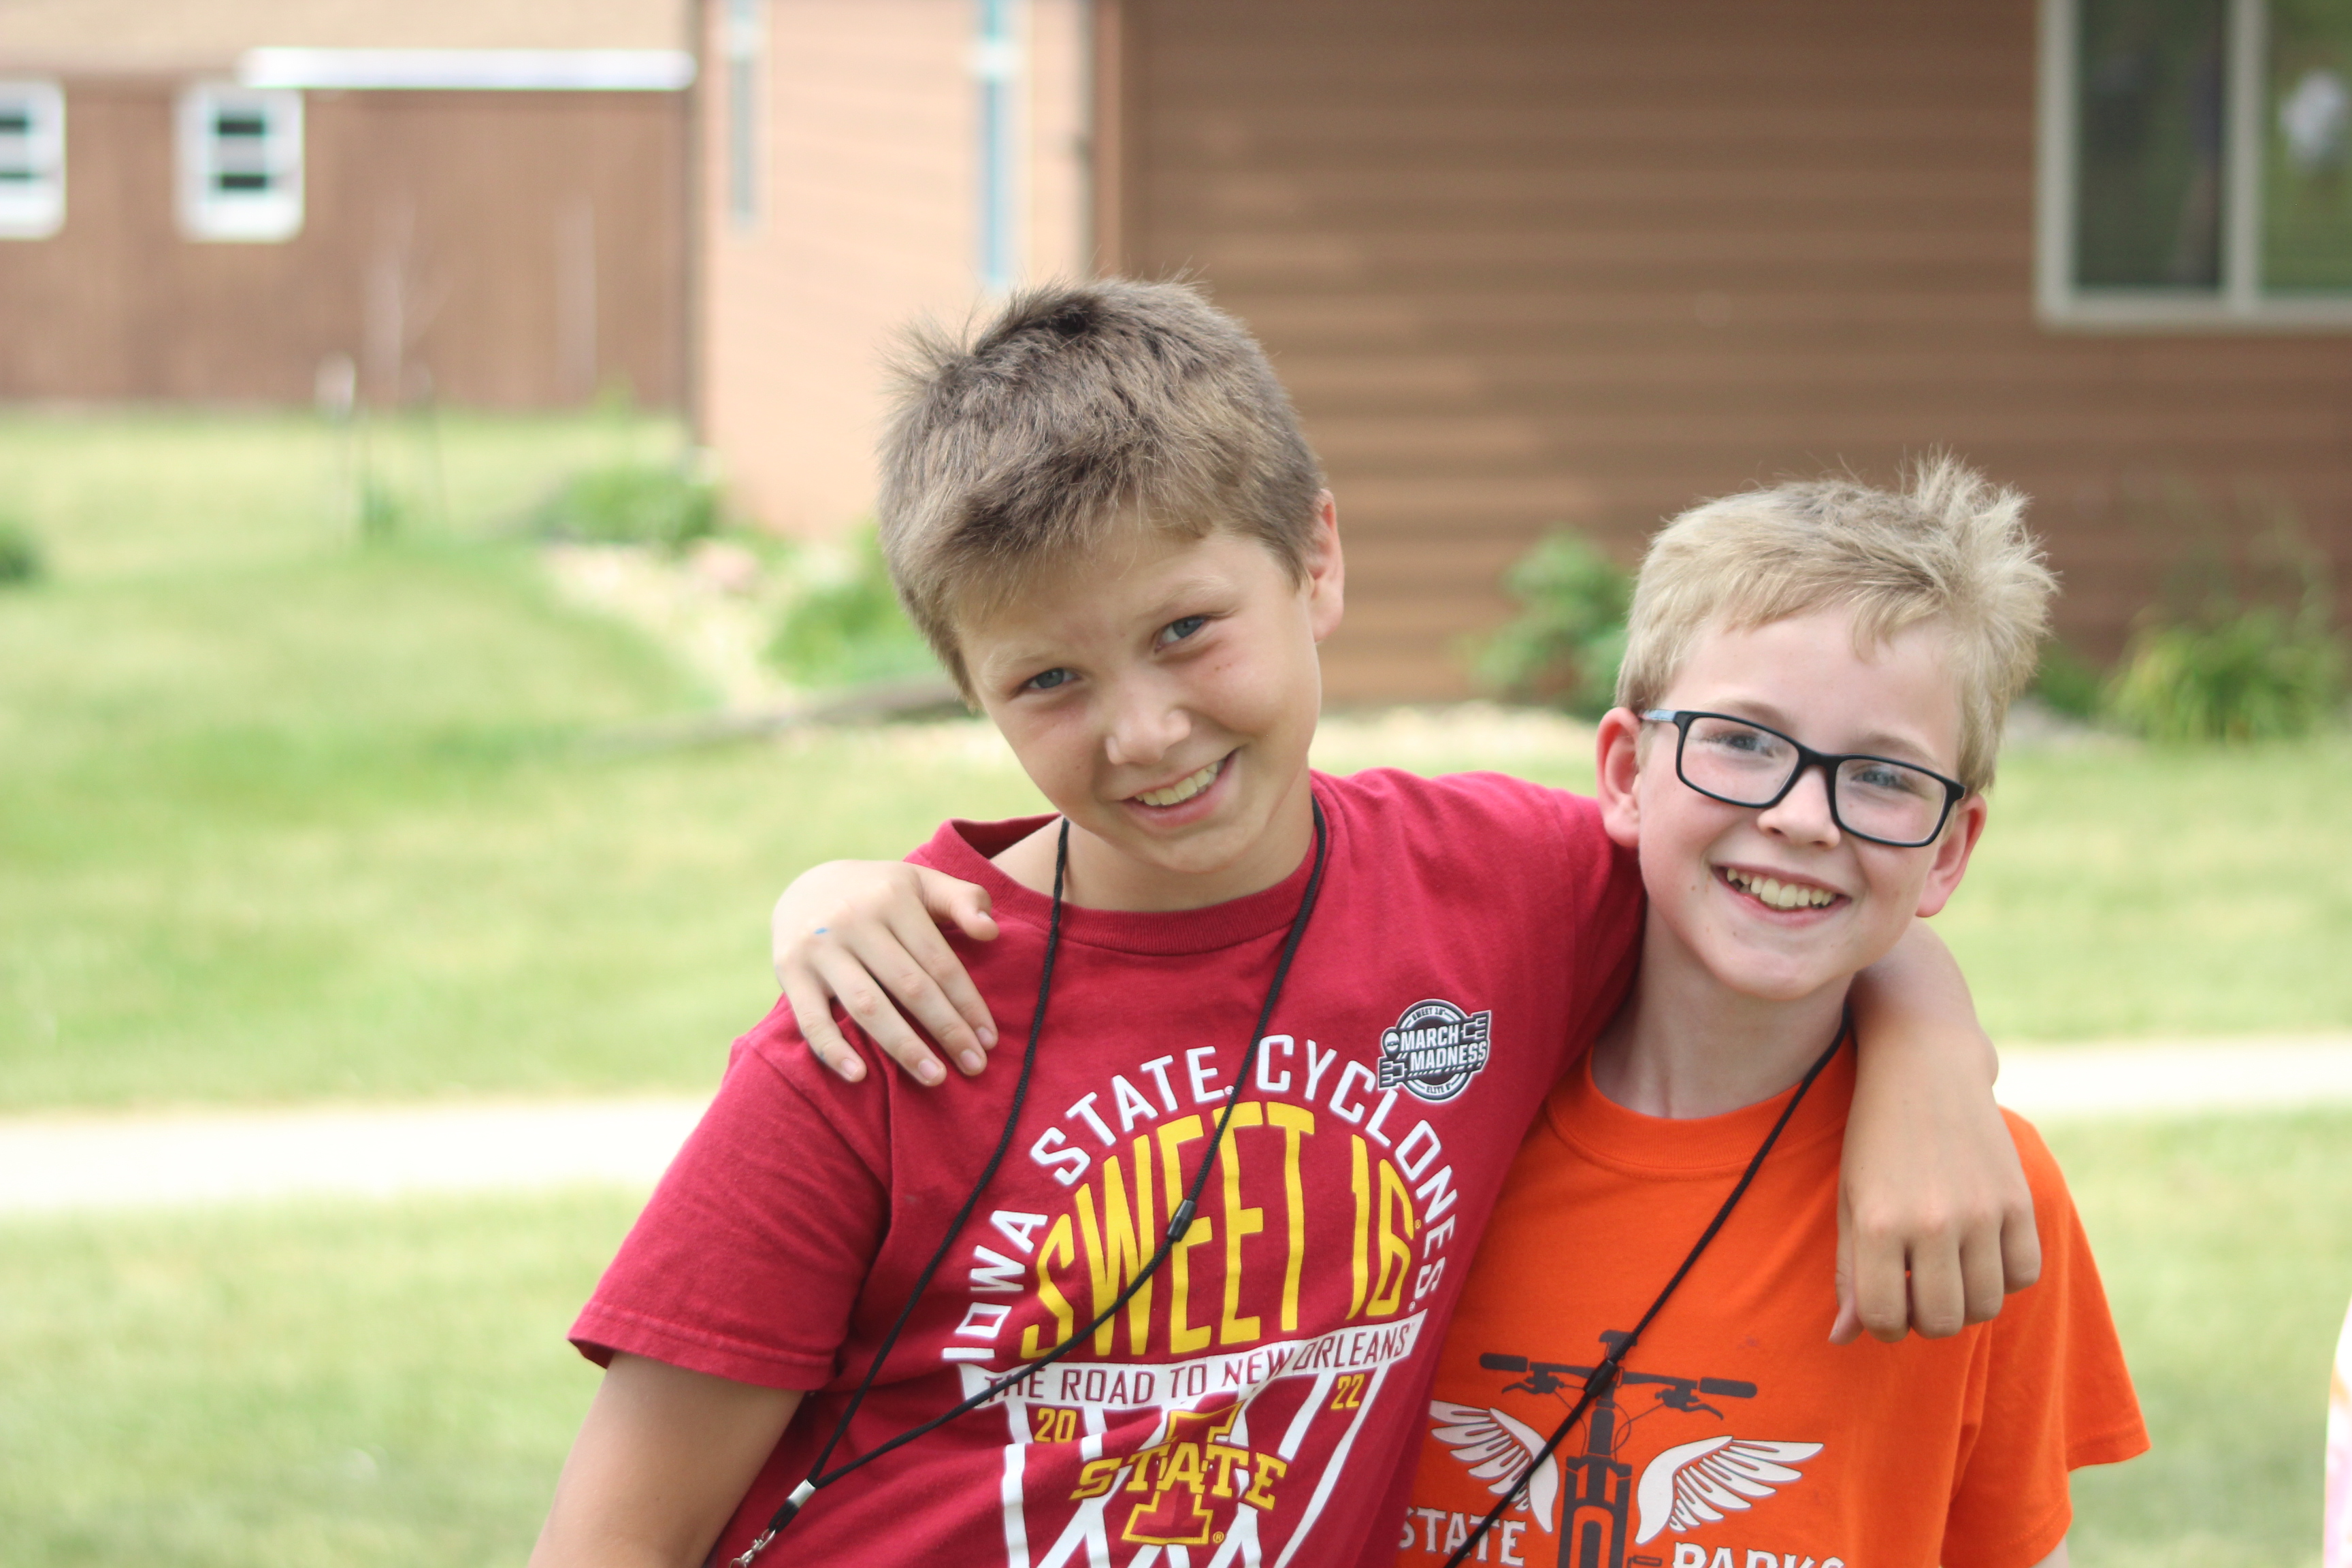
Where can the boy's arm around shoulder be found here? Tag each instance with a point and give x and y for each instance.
(661, 1463)
(1935, 1217)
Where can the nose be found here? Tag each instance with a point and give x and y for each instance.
(1141, 721)
(1803, 814)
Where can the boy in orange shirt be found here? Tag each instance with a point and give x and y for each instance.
(1713, 1426)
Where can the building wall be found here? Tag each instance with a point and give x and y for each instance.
(1526, 264)
(865, 220)
(518, 249)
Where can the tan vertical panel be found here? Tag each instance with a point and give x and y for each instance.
(867, 222)
(1526, 264)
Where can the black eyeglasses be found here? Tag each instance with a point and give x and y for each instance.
(1741, 762)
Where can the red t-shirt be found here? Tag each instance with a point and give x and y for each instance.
(1256, 1400)
(1739, 1435)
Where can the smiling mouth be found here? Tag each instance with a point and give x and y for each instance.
(1778, 894)
(1185, 788)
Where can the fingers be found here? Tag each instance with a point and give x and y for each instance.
(953, 898)
(916, 966)
(1882, 1295)
(1846, 1327)
(2020, 1250)
(849, 980)
(1938, 1297)
(1982, 1278)
(811, 1010)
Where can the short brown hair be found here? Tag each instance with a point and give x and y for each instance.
(1949, 547)
(1080, 407)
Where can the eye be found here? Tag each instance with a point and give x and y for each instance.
(1179, 629)
(1046, 680)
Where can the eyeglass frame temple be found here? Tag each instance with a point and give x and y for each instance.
(1808, 758)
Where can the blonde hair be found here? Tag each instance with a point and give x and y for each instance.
(1951, 547)
(1082, 408)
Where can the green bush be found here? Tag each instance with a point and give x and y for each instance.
(1565, 644)
(2257, 673)
(850, 629)
(630, 503)
(2068, 683)
(20, 554)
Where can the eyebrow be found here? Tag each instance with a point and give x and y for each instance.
(1877, 742)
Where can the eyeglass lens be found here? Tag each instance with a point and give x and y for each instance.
(1749, 766)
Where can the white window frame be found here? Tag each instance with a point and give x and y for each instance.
(34, 206)
(744, 41)
(2239, 303)
(208, 212)
(999, 67)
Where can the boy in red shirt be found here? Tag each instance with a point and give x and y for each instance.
(1891, 632)
(1283, 1032)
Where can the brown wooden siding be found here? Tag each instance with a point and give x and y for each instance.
(518, 249)
(1525, 263)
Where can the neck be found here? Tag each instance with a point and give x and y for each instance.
(1685, 1044)
(1100, 876)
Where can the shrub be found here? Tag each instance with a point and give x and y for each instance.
(2244, 649)
(851, 629)
(2256, 674)
(2068, 683)
(20, 554)
(630, 503)
(1565, 644)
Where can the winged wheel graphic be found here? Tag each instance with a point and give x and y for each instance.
(1693, 1483)
(1498, 1449)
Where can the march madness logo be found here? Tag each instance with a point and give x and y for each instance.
(1434, 1050)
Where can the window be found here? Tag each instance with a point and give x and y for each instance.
(240, 163)
(2194, 162)
(32, 160)
(742, 39)
(996, 71)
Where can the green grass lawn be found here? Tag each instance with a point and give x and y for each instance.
(286, 815)
(388, 1385)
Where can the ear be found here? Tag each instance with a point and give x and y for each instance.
(1326, 572)
(1952, 852)
(1617, 764)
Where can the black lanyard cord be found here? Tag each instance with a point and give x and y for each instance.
(1179, 1219)
(1604, 1376)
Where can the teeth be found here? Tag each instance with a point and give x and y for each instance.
(1184, 789)
(1781, 895)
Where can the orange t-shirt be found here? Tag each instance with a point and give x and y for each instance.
(1739, 1436)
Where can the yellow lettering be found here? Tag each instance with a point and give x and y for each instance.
(1183, 1337)
(1057, 1242)
(1116, 1251)
(1396, 1251)
(1233, 1329)
(1264, 1470)
(1296, 1122)
(1226, 1458)
(1360, 1180)
(1097, 1477)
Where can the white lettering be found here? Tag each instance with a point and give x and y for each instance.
(1067, 1164)
(1430, 1516)
(1791, 1562)
(1722, 1558)
(1412, 1168)
(1131, 1104)
(1380, 1114)
(1315, 1069)
(1458, 1531)
(996, 1276)
(1158, 1068)
(1085, 1107)
(1265, 1049)
(981, 1320)
(1762, 1559)
(1204, 1079)
(1444, 1228)
(1427, 1281)
(1509, 1551)
(1689, 1554)
(1436, 1194)
(1348, 1073)
(1016, 1226)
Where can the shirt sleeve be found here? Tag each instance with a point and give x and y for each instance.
(1602, 900)
(2055, 1393)
(748, 1259)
